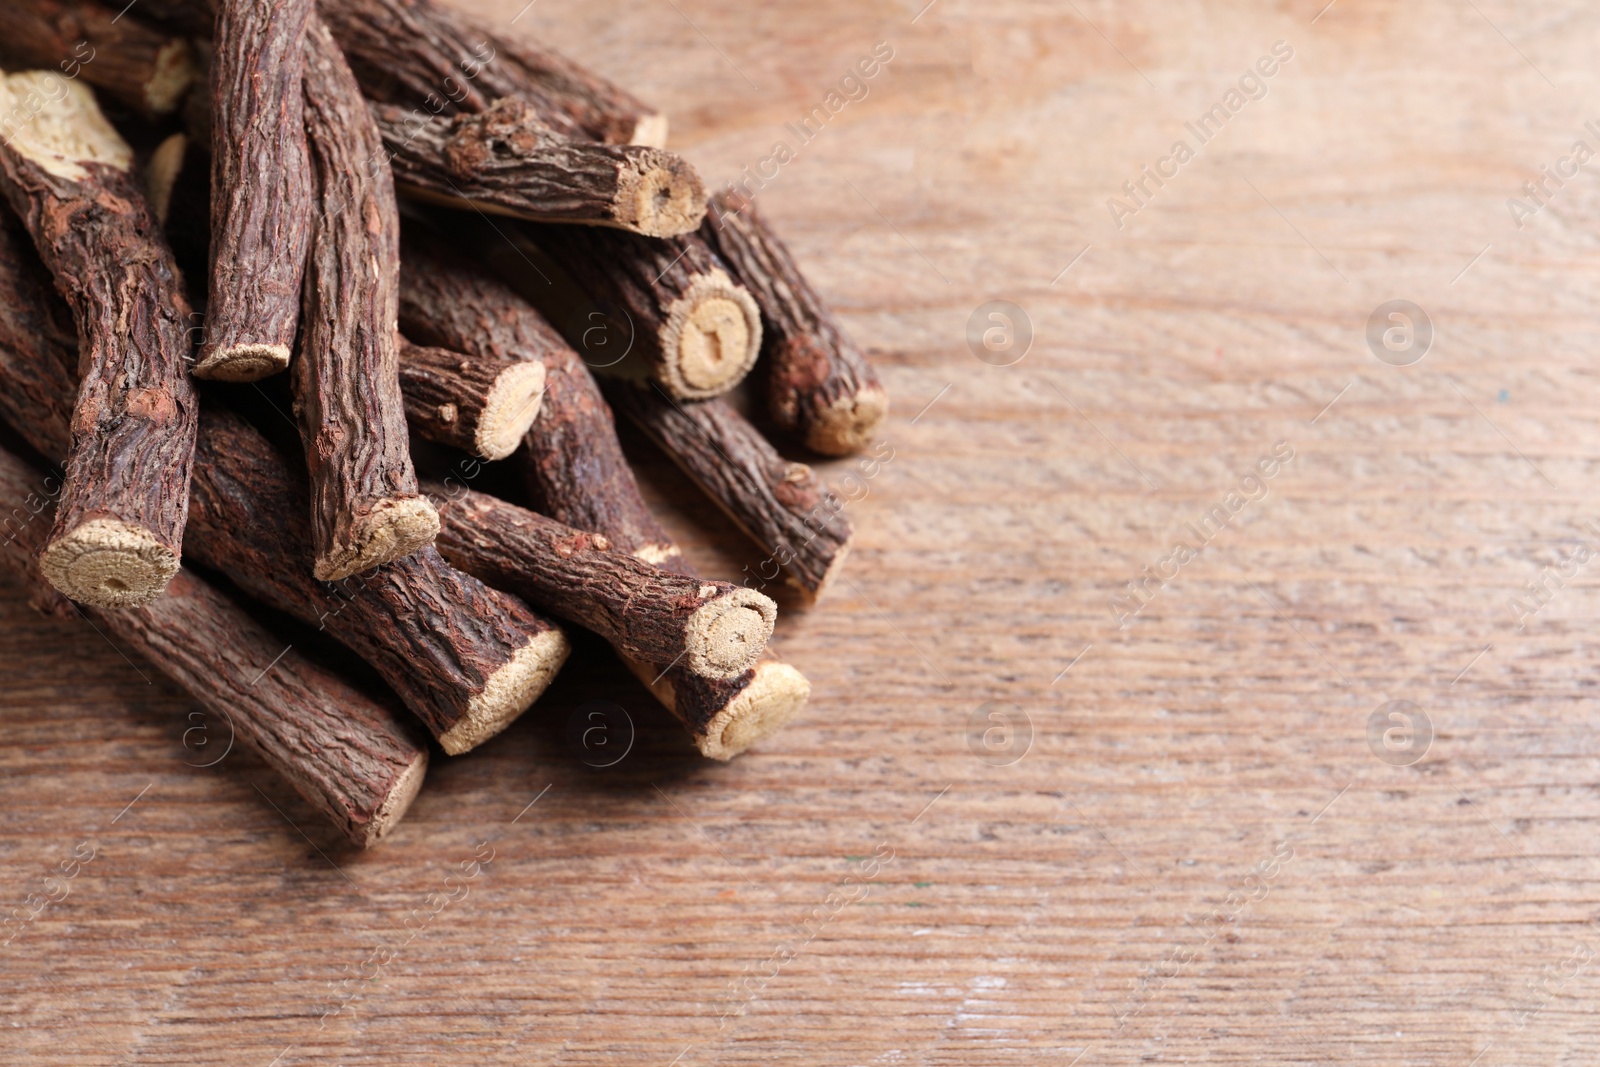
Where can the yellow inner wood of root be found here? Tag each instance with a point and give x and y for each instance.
(57, 125)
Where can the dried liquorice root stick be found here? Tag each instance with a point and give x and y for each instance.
(697, 332)
(38, 351)
(577, 474)
(364, 504)
(344, 753)
(448, 299)
(479, 405)
(38, 346)
(260, 189)
(413, 52)
(780, 505)
(507, 161)
(119, 528)
(136, 64)
(819, 385)
(466, 659)
(715, 629)
(727, 717)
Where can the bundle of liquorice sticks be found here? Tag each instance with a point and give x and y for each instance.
(276, 135)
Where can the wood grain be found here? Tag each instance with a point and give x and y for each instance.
(1021, 908)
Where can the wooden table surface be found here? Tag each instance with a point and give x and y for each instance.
(1182, 840)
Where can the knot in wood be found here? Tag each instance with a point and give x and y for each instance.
(154, 405)
(797, 491)
(329, 439)
(511, 129)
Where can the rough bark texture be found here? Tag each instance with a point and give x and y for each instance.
(819, 385)
(697, 333)
(119, 529)
(577, 475)
(483, 405)
(38, 346)
(576, 472)
(780, 505)
(364, 504)
(27, 508)
(136, 64)
(413, 52)
(261, 206)
(37, 384)
(715, 629)
(507, 161)
(465, 658)
(347, 755)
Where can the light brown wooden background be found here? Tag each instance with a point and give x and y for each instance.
(1227, 725)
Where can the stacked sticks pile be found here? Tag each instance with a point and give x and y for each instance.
(204, 192)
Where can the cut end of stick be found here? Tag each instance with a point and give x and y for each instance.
(402, 792)
(109, 564)
(161, 174)
(68, 130)
(249, 362)
(659, 195)
(176, 72)
(509, 409)
(771, 699)
(509, 692)
(849, 423)
(651, 130)
(392, 530)
(711, 339)
(726, 637)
